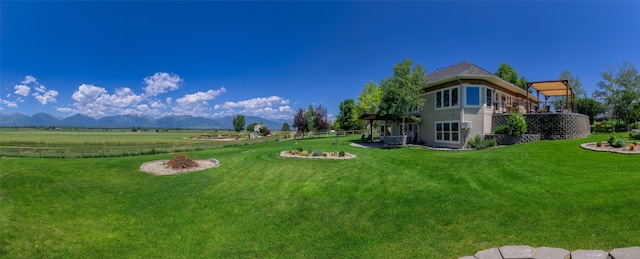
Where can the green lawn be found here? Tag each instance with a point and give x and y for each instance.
(389, 203)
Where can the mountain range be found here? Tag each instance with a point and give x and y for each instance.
(130, 121)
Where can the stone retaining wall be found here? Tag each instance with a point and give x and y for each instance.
(551, 125)
(506, 139)
(528, 252)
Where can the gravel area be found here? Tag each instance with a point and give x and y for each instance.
(159, 167)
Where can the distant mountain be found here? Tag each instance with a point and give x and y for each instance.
(129, 121)
(78, 120)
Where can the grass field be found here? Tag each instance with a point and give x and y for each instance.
(389, 203)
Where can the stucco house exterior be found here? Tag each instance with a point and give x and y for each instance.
(464, 100)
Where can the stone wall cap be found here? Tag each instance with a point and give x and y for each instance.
(517, 252)
(589, 254)
(626, 253)
(491, 253)
(544, 252)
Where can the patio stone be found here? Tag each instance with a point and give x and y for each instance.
(517, 252)
(551, 253)
(626, 253)
(468, 257)
(491, 253)
(589, 254)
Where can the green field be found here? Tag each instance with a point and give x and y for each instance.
(386, 203)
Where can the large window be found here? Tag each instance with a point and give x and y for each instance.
(473, 96)
(447, 131)
(446, 98)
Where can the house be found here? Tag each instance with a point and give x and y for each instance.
(464, 100)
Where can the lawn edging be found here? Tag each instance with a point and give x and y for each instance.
(506, 252)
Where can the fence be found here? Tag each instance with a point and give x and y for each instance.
(151, 149)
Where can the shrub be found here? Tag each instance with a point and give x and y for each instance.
(317, 153)
(478, 143)
(300, 149)
(181, 161)
(599, 144)
(304, 153)
(341, 154)
(611, 139)
(516, 125)
(618, 143)
(502, 129)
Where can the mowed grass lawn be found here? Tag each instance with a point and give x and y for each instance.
(386, 203)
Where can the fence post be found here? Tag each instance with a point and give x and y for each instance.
(18, 149)
(40, 153)
(102, 152)
(82, 153)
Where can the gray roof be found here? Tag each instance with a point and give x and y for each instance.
(462, 68)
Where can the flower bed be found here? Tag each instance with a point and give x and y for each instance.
(318, 154)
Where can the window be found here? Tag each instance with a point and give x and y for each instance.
(454, 97)
(473, 95)
(447, 131)
(446, 98)
(489, 96)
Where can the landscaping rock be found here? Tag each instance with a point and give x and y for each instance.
(491, 253)
(517, 252)
(551, 253)
(626, 253)
(589, 254)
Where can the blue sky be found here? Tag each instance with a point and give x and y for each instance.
(267, 59)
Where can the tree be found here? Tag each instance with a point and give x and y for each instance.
(510, 74)
(370, 97)
(348, 117)
(576, 85)
(589, 107)
(620, 90)
(401, 92)
(285, 127)
(321, 119)
(310, 118)
(264, 130)
(299, 121)
(238, 123)
(252, 126)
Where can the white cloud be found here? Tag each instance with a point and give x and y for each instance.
(29, 79)
(255, 103)
(158, 105)
(64, 109)
(123, 97)
(43, 96)
(273, 107)
(161, 82)
(200, 97)
(22, 90)
(86, 94)
(196, 104)
(9, 103)
(285, 109)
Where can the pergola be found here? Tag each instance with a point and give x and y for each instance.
(553, 88)
(375, 117)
